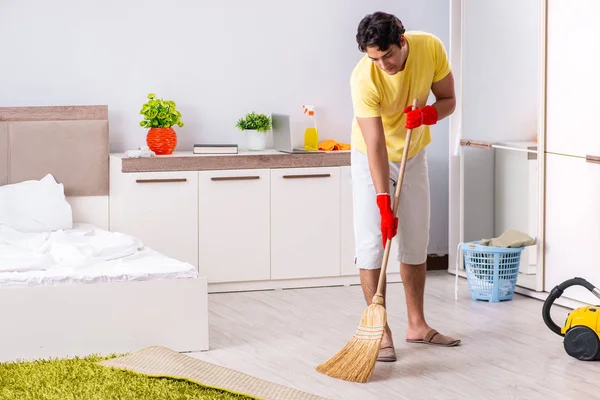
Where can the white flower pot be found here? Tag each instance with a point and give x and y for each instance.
(256, 140)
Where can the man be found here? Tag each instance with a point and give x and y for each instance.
(398, 66)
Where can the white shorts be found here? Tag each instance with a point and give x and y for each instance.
(413, 212)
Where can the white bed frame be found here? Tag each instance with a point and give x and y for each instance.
(41, 322)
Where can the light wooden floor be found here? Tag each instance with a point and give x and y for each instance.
(507, 351)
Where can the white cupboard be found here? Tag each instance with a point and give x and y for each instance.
(234, 225)
(499, 75)
(161, 208)
(572, 60)
(537, 81)
(572, 198)
(305, 222)
(516, 197)
(572, 223)
(252, 225)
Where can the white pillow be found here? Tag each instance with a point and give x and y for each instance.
(35, 206)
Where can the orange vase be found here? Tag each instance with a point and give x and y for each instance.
(161, 140)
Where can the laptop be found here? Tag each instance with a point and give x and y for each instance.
(282, 136)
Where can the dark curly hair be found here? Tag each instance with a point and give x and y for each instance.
(379, 29)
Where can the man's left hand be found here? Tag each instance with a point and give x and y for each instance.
(427, 115)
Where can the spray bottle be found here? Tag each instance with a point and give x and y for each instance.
(311, 135)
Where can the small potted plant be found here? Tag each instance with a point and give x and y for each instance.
(160, 116)
(256, 125)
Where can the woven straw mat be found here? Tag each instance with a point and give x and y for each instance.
(160, 361)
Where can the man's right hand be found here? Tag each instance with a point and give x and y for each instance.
(389, 223)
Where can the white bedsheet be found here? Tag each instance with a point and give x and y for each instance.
(83, 254)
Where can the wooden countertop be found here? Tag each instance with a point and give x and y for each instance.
(187, 161)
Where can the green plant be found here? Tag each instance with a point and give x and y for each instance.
(254, 121)
(159, 113)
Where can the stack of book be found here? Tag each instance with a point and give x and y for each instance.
(215, 149)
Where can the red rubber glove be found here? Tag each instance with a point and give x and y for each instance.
(389, 224)
(427, 115)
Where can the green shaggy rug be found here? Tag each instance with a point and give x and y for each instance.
(84, 378)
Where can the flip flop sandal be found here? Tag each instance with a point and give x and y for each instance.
(435, 338)
(387, 354)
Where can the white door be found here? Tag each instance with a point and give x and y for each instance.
(234, 225)
(572, 87)
(572, 229)
(305, 222)
(160, 208)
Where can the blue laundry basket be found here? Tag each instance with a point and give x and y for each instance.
(492, 272)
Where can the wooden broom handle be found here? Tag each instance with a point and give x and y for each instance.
(388, 244)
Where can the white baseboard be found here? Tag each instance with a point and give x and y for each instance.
(292, 283)
(561, 301)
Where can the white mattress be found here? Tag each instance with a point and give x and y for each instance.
(83, 254)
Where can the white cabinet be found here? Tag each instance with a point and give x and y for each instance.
(516, 196)
(160, 208)
(234, 225)
(244, 228)
(305, 222)
(498, 103)
(572, 224)
(571, 83)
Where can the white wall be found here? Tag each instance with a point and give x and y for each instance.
(216, 59)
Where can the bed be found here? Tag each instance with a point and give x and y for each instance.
(69, 286)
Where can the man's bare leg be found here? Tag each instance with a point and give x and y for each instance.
(369, 278)
(413, 278)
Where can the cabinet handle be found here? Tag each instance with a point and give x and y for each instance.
(233, 178)
(475, 143)
(161, 180)
(306, 176)
(531, 156)
(592, 159)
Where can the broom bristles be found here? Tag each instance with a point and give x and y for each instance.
(356, 360)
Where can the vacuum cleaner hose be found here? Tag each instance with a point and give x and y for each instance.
(556, 292)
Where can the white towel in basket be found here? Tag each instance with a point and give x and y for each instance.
(509, 238)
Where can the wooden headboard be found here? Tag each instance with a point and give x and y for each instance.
(69, 142)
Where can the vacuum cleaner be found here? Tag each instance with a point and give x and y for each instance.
(582, 328)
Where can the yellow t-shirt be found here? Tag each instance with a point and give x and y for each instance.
(378, 94)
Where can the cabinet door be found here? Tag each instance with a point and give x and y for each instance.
(305, 222)
(234, 225)
(571, 105)
(160, 208)
(572, 228)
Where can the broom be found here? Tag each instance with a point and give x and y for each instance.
(356, 360)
